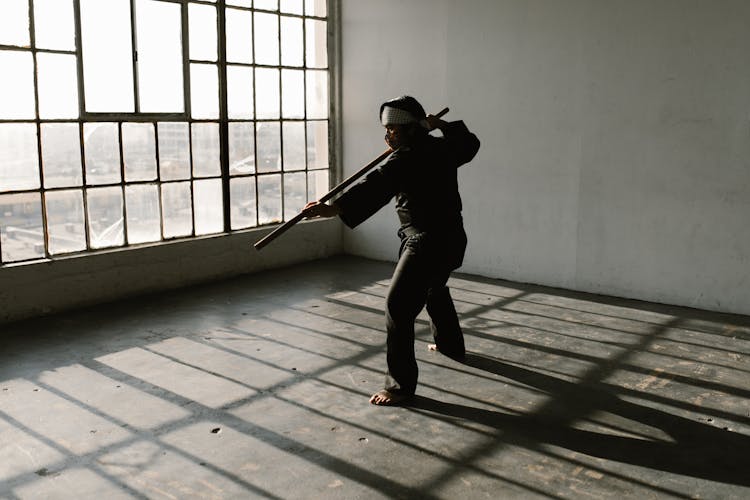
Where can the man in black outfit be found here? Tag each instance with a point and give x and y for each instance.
(422, 174)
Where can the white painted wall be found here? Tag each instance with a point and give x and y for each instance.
(615, 136)
(43, 288)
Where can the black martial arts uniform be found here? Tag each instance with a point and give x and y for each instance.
(423, 178)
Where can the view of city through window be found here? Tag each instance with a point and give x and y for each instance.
(135, 121)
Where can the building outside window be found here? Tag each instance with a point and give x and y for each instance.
(125, 122)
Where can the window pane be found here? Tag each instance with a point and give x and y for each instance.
(267, 92)
(19, 161)
(292, 6)
(160, 57)
(206, 149)
(101, 148)
(295, 194)
(316, 55)
(279, 99)
(202, 26)
(317, 184)
(317, 94)
(239, 36)
(292, 93)
(14, 23)
(315, 8)
(204, 91)
(266, 38)
(291, 41)
(65, 221)
(269, 198)
(58, 85)
(53, 24)
(267, 4)
(241, 148)
(317, 145)
(21, 234)
(240, 92)
(17, 96)
(269, 147)
(209, 211)
(242, 196)
(294, 146)
(142, 207)
(105, 217)
(139, 151)
(177, 207)
(107, 55)
(174, 151)
(61, 155)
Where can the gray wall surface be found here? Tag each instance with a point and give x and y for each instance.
(64, 283)
(615, 136)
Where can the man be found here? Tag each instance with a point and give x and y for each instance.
(422, 174)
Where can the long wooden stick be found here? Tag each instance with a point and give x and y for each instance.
(330, 194)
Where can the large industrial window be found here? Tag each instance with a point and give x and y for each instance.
(133, 121)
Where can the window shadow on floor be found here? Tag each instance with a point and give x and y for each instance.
(695, 449)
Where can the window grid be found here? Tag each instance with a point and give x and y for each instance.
(35, 66)
(86, 187)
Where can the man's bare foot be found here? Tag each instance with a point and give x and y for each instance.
(434, 347)
(387, 398)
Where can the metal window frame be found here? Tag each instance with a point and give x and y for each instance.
(332, 18)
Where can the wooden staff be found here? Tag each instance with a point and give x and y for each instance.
(330, 194)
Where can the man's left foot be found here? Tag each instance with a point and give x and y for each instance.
(387, 398)
(434, 347)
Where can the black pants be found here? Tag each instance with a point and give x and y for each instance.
(418, 281)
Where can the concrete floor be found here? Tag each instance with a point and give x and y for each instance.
(258, 387)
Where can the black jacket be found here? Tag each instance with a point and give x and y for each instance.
(423, 178)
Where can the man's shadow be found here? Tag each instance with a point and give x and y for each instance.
(696, 449)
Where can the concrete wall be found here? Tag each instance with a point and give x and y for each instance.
(615, 136)
(64, 283)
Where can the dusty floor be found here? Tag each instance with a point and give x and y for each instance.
(258, 387)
